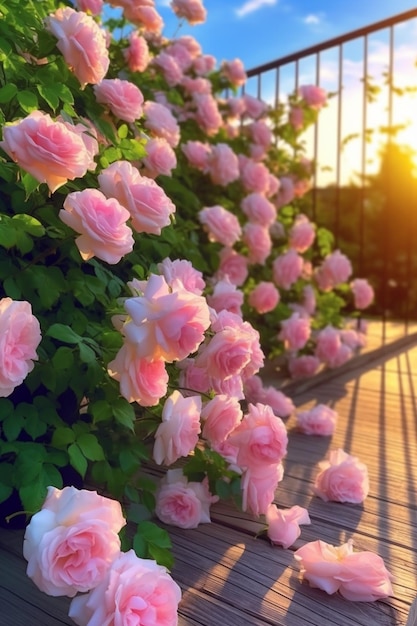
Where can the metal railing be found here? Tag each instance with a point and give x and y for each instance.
(365, 181)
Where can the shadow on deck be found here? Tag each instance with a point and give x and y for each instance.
(230, 577)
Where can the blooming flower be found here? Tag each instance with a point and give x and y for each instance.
(192, 10)
(342, 478)
(71, 542)
(222, 226)
(123, 98)
(52, 152)
(358, 576)
(82, 43)
(20, 335)
(183, 503)
(101, 223)
(177, 435)
(166, 323)
(134, 589)
(363, 293)
(284, 524)
(321, 420)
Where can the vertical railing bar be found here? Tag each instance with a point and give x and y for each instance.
(316, 144)
(388, 190)
(277, 86)
(259, 86)
(339, 144)
(363, 156)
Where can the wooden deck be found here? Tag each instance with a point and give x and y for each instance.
(231, 578)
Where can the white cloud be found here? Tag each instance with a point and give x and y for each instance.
(312, 19)
(253, 5)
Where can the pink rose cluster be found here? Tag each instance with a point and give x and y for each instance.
(20, 335)
(165, 323)
(357, 576)
(72, 546)
(342, 478)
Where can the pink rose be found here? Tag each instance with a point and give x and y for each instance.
(82, 43)
(160, 121)
(148, 205)
(226, 296)
(264, 297)
(260, 133)
(363, 293)
(334, 270)
(20, 335)
(177, 435)
(222, 226)
(295, 332)
(309, 300)
(101, 223)
(254, 175)
(166, 322)
(258, 241)
(314, 96)
(223, 165)
(286, 191)
(196, 85)
(358, 576)
(364, 578)
(204, 64)
(183, 53)
(93, 6)
(303, 366)
(330, 349)
(302, 234)
(254, 107)
(232, 351)
(71, 542)
(50, 151)
(172, 72)
(234, 71)
(141, 380)
(135, 590)
(258, 209)
(220, 416)
(321, 420)
(258, 487)
(123, 98)
(233, 265)
(343, 478)
(197, 154)
(137, 54)
(192, 379)
(144, 15)
(191, 10)
(287, 269)
(182, 503)
(284, 524)
(160, 158)
(255, 393)
(207, 115)
(261, 438)
(181, 270)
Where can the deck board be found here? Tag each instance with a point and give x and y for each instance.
(230, 576)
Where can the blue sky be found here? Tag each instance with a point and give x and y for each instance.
(258, 31)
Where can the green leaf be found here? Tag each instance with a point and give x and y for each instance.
(30, 184)
(101, 411)
(6, 408)
(63, 333)
(161, 555)
(64, 93)
(62, 437)
(77, 459)
(12, 426)
(49, 94)
(124, 413)
(140, 546)
(27, 100)
(29, 224)
(33, 496)
(90, 447)
(87, 355)
(7, 93)
(63, 358)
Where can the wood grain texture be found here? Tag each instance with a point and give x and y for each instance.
(229, 576)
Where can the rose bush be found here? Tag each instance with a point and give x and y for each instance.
(153, 248)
